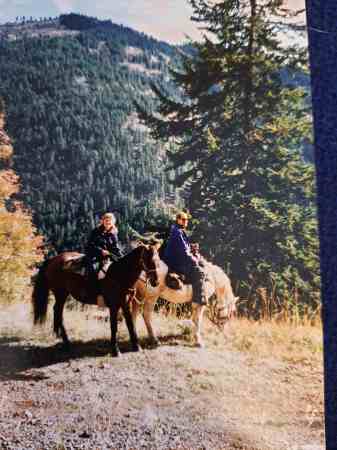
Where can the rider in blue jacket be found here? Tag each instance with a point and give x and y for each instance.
(179, 258)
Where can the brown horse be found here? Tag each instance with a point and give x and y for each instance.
(117, 285)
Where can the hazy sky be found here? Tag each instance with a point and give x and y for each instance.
(164, 19)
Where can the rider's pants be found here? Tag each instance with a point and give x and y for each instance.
(196, 276)
(92, 275)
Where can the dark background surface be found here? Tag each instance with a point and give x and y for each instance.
(322, 30)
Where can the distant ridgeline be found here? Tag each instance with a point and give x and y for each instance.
(79, 147)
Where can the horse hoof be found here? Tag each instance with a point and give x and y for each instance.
(136, 348)
(154, 342)
(200, 345)
(115, 352)
(65, 347)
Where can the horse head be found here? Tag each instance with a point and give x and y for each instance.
(223, 306)
(150, 263)
(224, 311)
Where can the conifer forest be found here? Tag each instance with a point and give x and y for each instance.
(104, 118)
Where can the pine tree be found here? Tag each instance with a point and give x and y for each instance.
(238, 136)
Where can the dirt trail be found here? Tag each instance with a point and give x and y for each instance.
(172, 397)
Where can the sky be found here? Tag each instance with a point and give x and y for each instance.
(167, 20)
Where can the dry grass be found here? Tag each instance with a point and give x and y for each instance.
(297, 344)
(265, 377)
(291, 340)
(83, 323)
(288, 342)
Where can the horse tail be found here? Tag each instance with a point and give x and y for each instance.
(40, 295)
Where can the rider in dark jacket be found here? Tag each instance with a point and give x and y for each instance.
(179, 258)
(102, 245)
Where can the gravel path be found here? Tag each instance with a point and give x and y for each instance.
(172, 397)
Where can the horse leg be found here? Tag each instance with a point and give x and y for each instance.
(60, 299)
(197, 313)
(131, 328)
(134, 312)
(147, 314)
(113, 325)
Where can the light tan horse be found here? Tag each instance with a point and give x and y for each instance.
(217, 284)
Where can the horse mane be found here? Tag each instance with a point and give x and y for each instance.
(126, 261)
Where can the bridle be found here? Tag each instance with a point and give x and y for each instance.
(215, 314)
(146, 269)
(132, 292)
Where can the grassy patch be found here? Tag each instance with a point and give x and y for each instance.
(291, 343)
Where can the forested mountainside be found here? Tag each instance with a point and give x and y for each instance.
(79, 147)
(70, 85)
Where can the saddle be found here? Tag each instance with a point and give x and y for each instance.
(78, 265)
(175, 281)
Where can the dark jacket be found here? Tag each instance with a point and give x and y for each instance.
(177, 254)
(103, 240)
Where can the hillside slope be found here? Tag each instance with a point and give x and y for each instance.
(70, 84)
(79, 148)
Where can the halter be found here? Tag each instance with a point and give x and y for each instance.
(215, 314)
(132, 293)
(146, 281)
(146, 269)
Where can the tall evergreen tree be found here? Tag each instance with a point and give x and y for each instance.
(238, 137)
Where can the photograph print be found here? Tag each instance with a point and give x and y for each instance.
(159, 248)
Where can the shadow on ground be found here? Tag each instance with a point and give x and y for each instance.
(19, 357)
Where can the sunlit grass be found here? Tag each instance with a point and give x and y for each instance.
(289, 342)
(286, 341)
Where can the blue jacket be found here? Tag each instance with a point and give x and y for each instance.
(177, 251)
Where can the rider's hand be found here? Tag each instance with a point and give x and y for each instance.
(105, 253)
